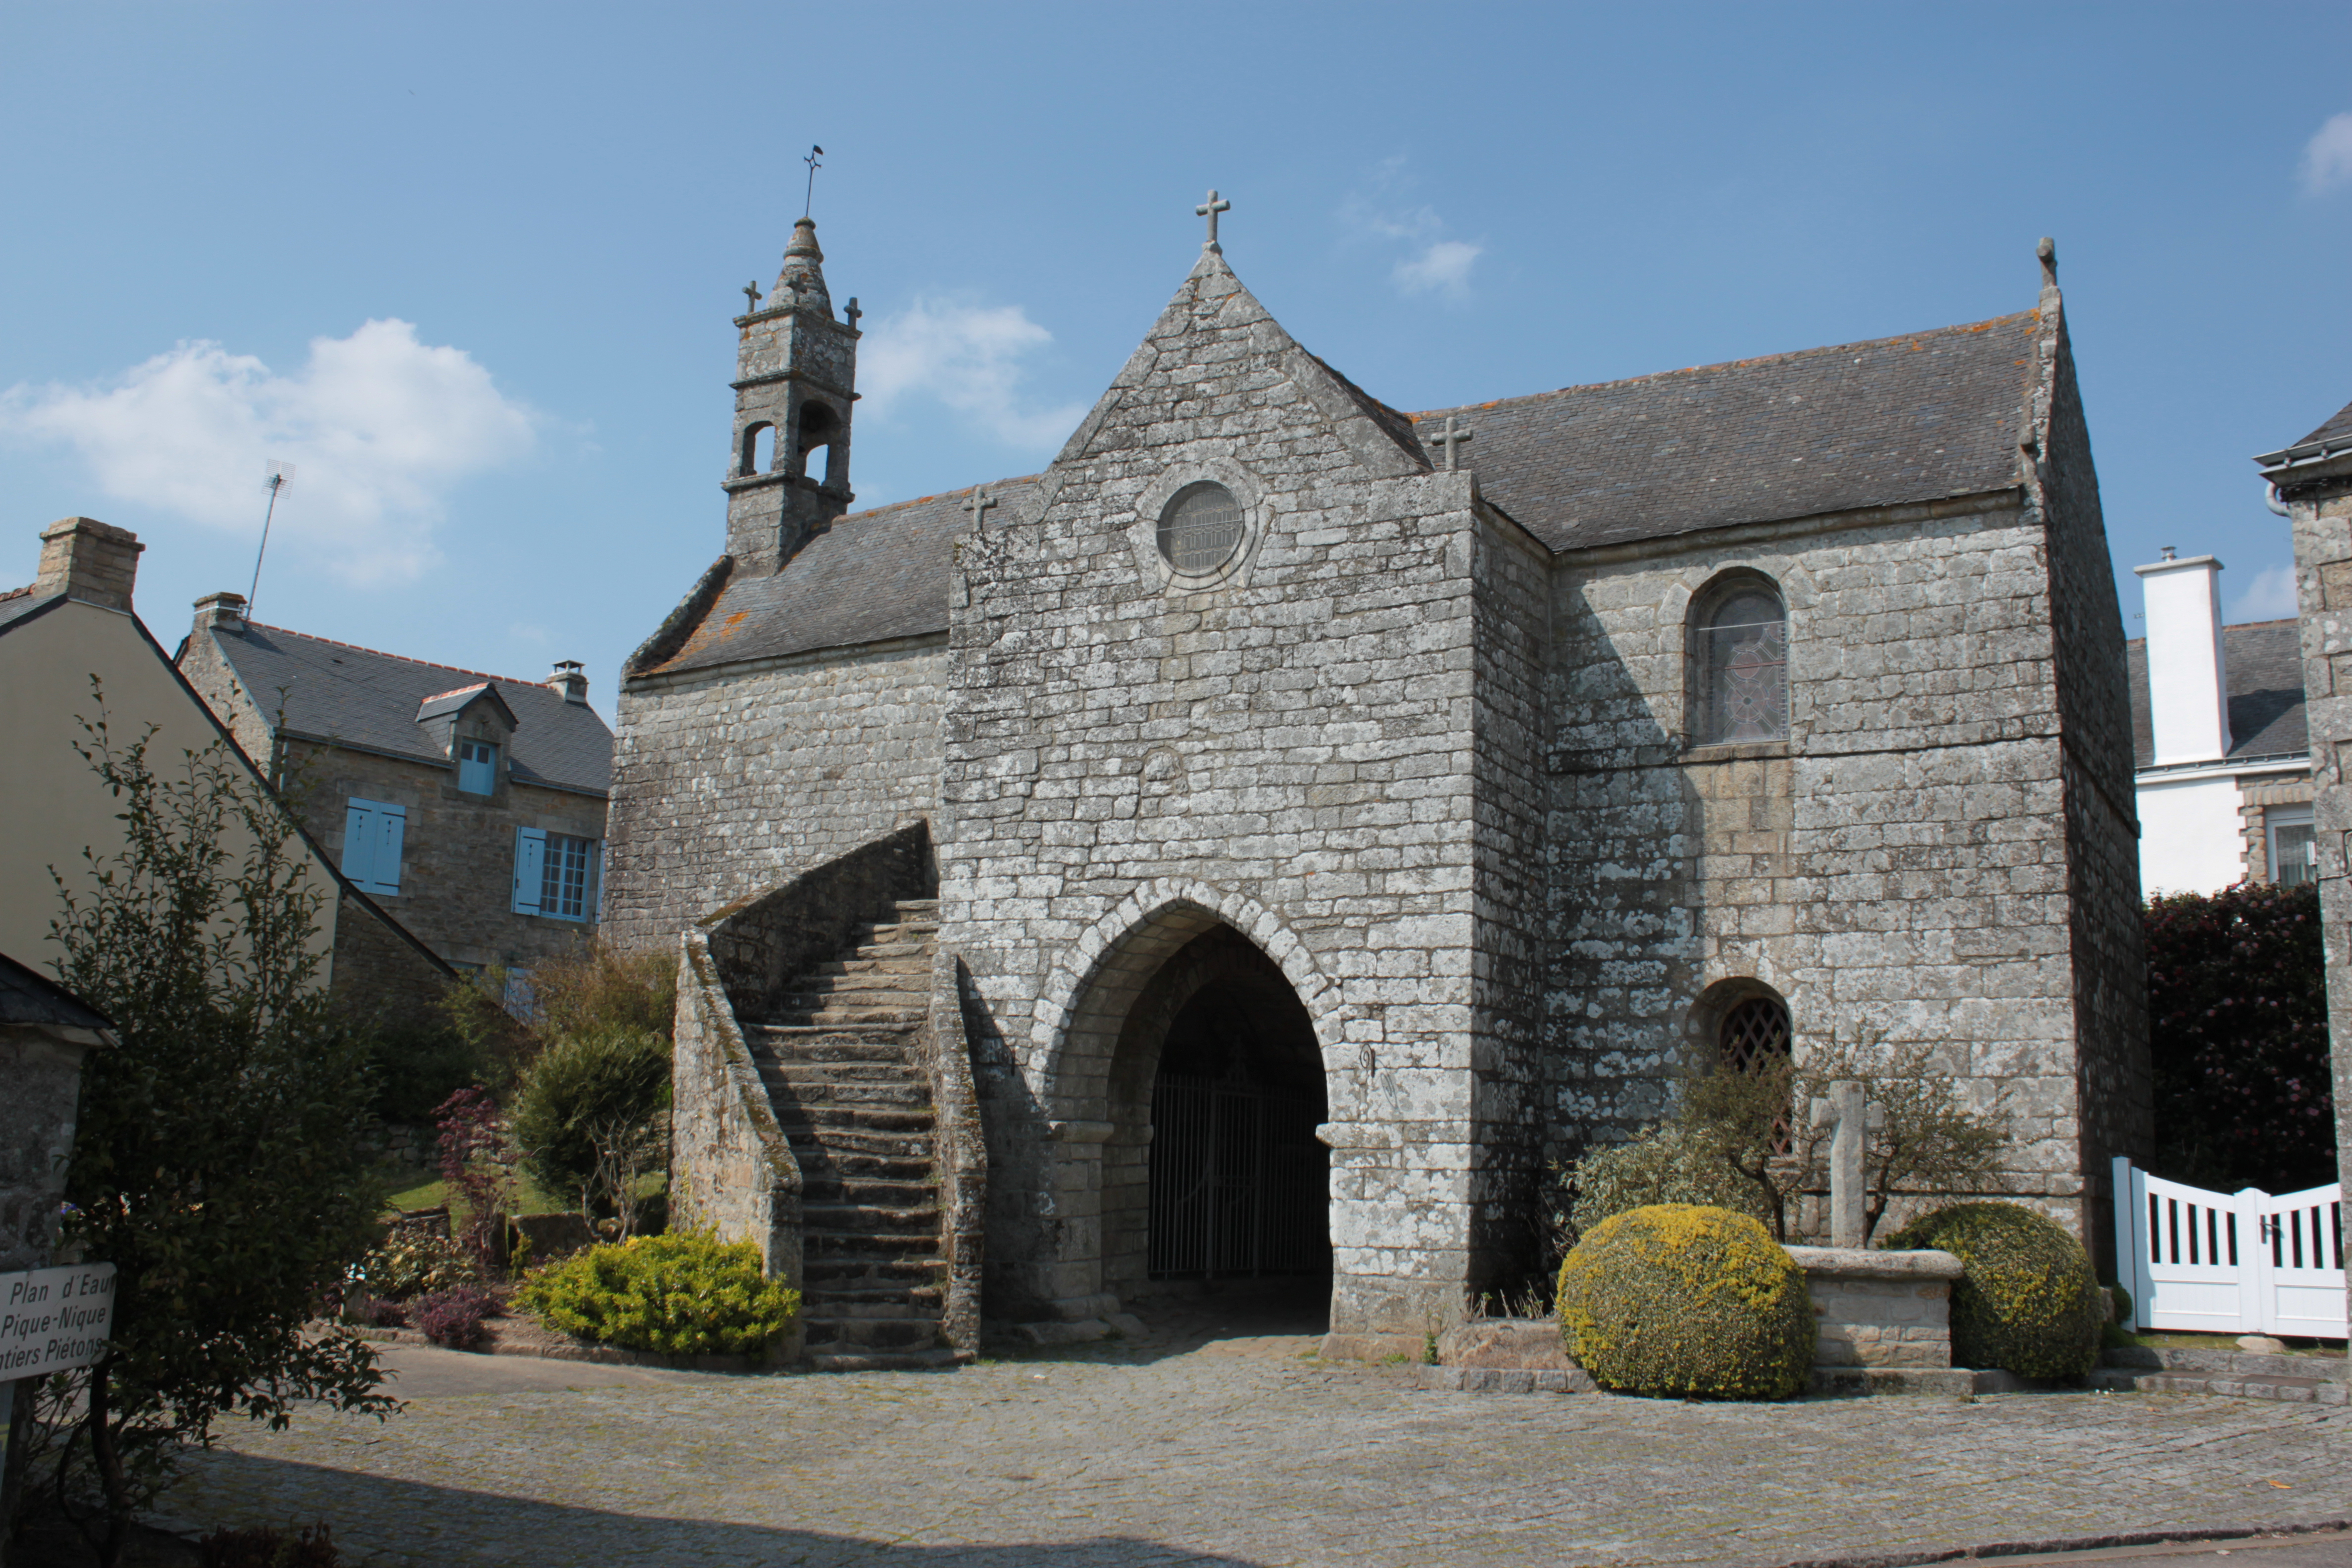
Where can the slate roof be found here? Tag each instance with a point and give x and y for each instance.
(18, 602)
(335, 691)
(873, 575)
(28, 996)
(1918, 417)
(2263, 663)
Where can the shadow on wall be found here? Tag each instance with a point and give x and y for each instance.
(447, 1526)
(1626, 826)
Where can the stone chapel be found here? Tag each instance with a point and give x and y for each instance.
(1258, 844)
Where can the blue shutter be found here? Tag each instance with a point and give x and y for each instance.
(392, 825)
(372, 837)
(359, 842)
(531, 869)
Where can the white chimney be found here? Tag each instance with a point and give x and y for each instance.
(568, 680)
(2188, 689)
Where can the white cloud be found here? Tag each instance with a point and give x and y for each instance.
(2328, 156)
(1378, 214)
(1443, 268)
(378, 426)
(973, 359)
(2269, 597)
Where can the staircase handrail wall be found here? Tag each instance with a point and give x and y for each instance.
(765, 942)
(963, 1151)
(731, 1167)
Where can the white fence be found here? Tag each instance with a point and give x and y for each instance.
(2242, 1263)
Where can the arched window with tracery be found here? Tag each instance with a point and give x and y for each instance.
(1742, 659)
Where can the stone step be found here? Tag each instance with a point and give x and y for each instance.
(914, 965)
(870, 1219)
(818, 1117)
(830, 1360)
(847, 982)
(908, 932)
(916, 906)
(838, 1018)
(860, 1069)
(881, 1245)
(838, 1335)
(856, 1300)
(808, 1094)
(844, 1273)
(867, 1000)
(884, 1045)
(842, 1080)
(820, 1162)
(828, 1190)
(816, 1151)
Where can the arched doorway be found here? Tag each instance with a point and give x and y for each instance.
(1213, 1170)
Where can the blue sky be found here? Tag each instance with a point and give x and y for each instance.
(471, 266)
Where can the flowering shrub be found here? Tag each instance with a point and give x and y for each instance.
(677, 1295)
(2237, 1023)
(453, 1318)
(416, 1263)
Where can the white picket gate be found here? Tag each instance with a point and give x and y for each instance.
(2221, 1263)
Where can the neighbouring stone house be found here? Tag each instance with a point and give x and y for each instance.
(2224, 766)
(73, 624)
(1261, 841)
(2311, 483)
(471, 805)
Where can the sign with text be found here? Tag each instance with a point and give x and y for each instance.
(53, 1319)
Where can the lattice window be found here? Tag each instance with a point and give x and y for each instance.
(1201, 529)
(1756, 1029)
(1743, 661)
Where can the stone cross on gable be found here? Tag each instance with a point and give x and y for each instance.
(853, 312)
(751, 293)
(978, 506)
(1850, 1117)
(1210, 211)
(1451, 438)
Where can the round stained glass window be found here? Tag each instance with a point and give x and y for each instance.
(1201, 529)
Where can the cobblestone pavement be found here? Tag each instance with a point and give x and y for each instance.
(1235, 1450)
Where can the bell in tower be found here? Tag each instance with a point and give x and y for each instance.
(795, 379)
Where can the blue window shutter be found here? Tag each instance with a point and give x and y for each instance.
(531, 869)
(359, 842)
(392, 825)
(596, 893)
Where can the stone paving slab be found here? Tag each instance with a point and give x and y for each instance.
(1244, 1452)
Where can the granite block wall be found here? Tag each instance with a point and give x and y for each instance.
(1901, 863)
(728, 782)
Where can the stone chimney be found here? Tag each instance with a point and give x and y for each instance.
(2188, 689)
(568, 680)
(221, 612)
(85, 559)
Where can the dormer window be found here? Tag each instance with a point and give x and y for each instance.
(478, 767)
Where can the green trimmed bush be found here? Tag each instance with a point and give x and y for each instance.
(1686, 1300)
(2028, 1301)
(583, 1089)
(678, 1295)
(1660, 1165)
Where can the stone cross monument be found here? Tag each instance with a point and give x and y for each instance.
(1849, 1117)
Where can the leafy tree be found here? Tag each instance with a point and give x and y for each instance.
(1739, 1137)
(218, 1163)
(2237, 1003)
(589, 1115)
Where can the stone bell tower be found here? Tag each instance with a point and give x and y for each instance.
(795, 379)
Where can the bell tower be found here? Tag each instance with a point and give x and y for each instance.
(795, 379)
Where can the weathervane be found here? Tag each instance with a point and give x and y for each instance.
(808, 198)
(276, 477)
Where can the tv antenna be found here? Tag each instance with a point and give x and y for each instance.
(809, 198)
(276, 477)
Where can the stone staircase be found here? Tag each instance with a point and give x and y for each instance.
(841, 1061)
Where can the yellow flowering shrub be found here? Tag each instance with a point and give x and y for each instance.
(2028, 1302)
(1685, 1300)
(686, 1294)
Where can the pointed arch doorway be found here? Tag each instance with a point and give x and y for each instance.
(1212, 1173)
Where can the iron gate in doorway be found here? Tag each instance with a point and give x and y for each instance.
(1239, 1184)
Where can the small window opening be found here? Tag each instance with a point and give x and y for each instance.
(818, 427)
(2295, 846)
(759, 448)
(1755, 1034)
(1201, 529)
